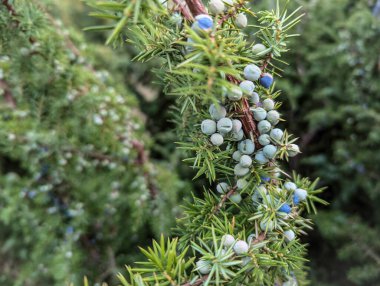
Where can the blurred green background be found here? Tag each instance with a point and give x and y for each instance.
(77, 195)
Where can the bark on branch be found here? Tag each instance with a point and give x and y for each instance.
(197, 282)
(181, 6)
(7, 94)
(9, 7)
(196, 7)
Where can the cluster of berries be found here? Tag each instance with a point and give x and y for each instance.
(239, 247)
(220, 126)
(204, 23)
(220, 6)
(262, 200)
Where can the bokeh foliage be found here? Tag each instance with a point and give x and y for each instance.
(334, 87)
(78, 189)
(332, 83)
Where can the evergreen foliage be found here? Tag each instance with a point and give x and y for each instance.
(334, 104)
(245, 229)
(78, 190)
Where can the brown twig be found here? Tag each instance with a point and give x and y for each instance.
(249, 125)
(196, 7)
(246, 117)
(260, 238)
(142, 159)
(224, 199)
(266, 62)
(231, 13)
(8, 96)
(13, 13)
(9, 7)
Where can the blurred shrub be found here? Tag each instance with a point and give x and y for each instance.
(335, 88)
(78, 189)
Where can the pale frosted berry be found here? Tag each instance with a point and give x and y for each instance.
(262, 189)
(237, 155)
(259, 113)
(251, 238)
(224, 91)
(241, 21)
(216, 6)
(289, 235)
(238, 136)
(216, 139)
(255, 98)
(240, 171)
(285, 208)
(241, 247)
(246, 147)
(277, 172)
(264, 126)
(260, 158)
(176, 19)
(264, 139)
(217, 111)
(189, 47)
(258, 49)
(228, 240)
(236, 198)
(222, 188)
(203, 266)
(247, 86)
(246, 260)
(267, 225)
(224, 125)
(266, 80)
(290, 186)
(270, 151)
(241, 184)
(293, 150)
(245, 161)
(268, 199)
(208, 126)
(236, 125)
(256, 197)
(279, 190)
(273, 117)
(252, 72)
(235, 93)
(291, 282)
(268, 104)
(301, 194)
(229, 2)
(276, 134)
